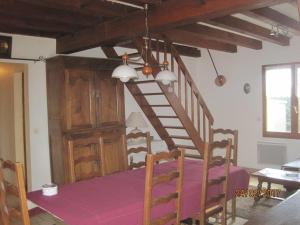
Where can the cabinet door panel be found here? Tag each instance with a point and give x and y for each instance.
(86, 169)
(80, 99)
(113, 153)
(110, 101)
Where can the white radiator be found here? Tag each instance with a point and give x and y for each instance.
(271, 153)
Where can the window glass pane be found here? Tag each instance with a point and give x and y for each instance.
(278, 99)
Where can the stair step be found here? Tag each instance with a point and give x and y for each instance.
(180, 137)
(169, 117)
(149, 94)
(157, 105)
(186, 146)
(144, 81)
(174, 127)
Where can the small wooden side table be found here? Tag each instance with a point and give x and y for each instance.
(288, 179)
(292, 166)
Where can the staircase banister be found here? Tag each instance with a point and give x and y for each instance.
(192, 83)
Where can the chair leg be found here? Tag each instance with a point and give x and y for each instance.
(233, 209)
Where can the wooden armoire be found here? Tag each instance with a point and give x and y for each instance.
(84, 104)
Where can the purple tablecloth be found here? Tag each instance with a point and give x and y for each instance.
(118, 199)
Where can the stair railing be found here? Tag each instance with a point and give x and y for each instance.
(188, 94)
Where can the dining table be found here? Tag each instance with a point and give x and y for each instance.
(118, 199)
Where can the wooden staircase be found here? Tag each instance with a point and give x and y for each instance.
(193, 118)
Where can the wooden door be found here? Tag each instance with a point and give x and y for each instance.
(110, 100)
(80, 99)
(113, 153)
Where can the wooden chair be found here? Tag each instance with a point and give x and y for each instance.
(18, 191)
(233, 134)
(152, 181)
(83, 166)
(136, 150)
(215, 205)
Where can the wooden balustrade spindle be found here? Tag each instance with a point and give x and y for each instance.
(157, 50)
(198, 115)
(204, 126)
(179, 83)
(192, 105)
(186, 94)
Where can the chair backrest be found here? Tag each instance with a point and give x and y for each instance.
(137, 150)
(7, 212)
(217, 203)
(151, 181)
(83, 166)
(233, 135)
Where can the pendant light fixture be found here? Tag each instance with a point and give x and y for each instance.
(165, 76)
(220, 79)
(125, 72)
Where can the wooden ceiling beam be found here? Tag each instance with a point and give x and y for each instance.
(222, 36)
(245, 27)
(38, 25)
(193, 39)
(10, 28)
(169, 15)
(96, 8)
(27, 11)
(272, 16)
(182, 49)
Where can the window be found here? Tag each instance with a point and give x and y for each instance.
(281, 95)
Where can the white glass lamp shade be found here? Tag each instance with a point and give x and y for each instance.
(166, 77)
(136, 120)
(124, 73)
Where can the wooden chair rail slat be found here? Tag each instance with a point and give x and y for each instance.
(136, 135)
(165, 219)
(215, 199)
(216, 181)
(137, 165)
(193, 156)
(217, 162)
(213, 211)
(11, 189)
(166, 155)
(223, 131)
(165, 178)
(137, 150)
(218, 144)
(15, 213)
(8, 165)
(164, 199)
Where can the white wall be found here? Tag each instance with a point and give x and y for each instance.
(229, 105)
(30, 47)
